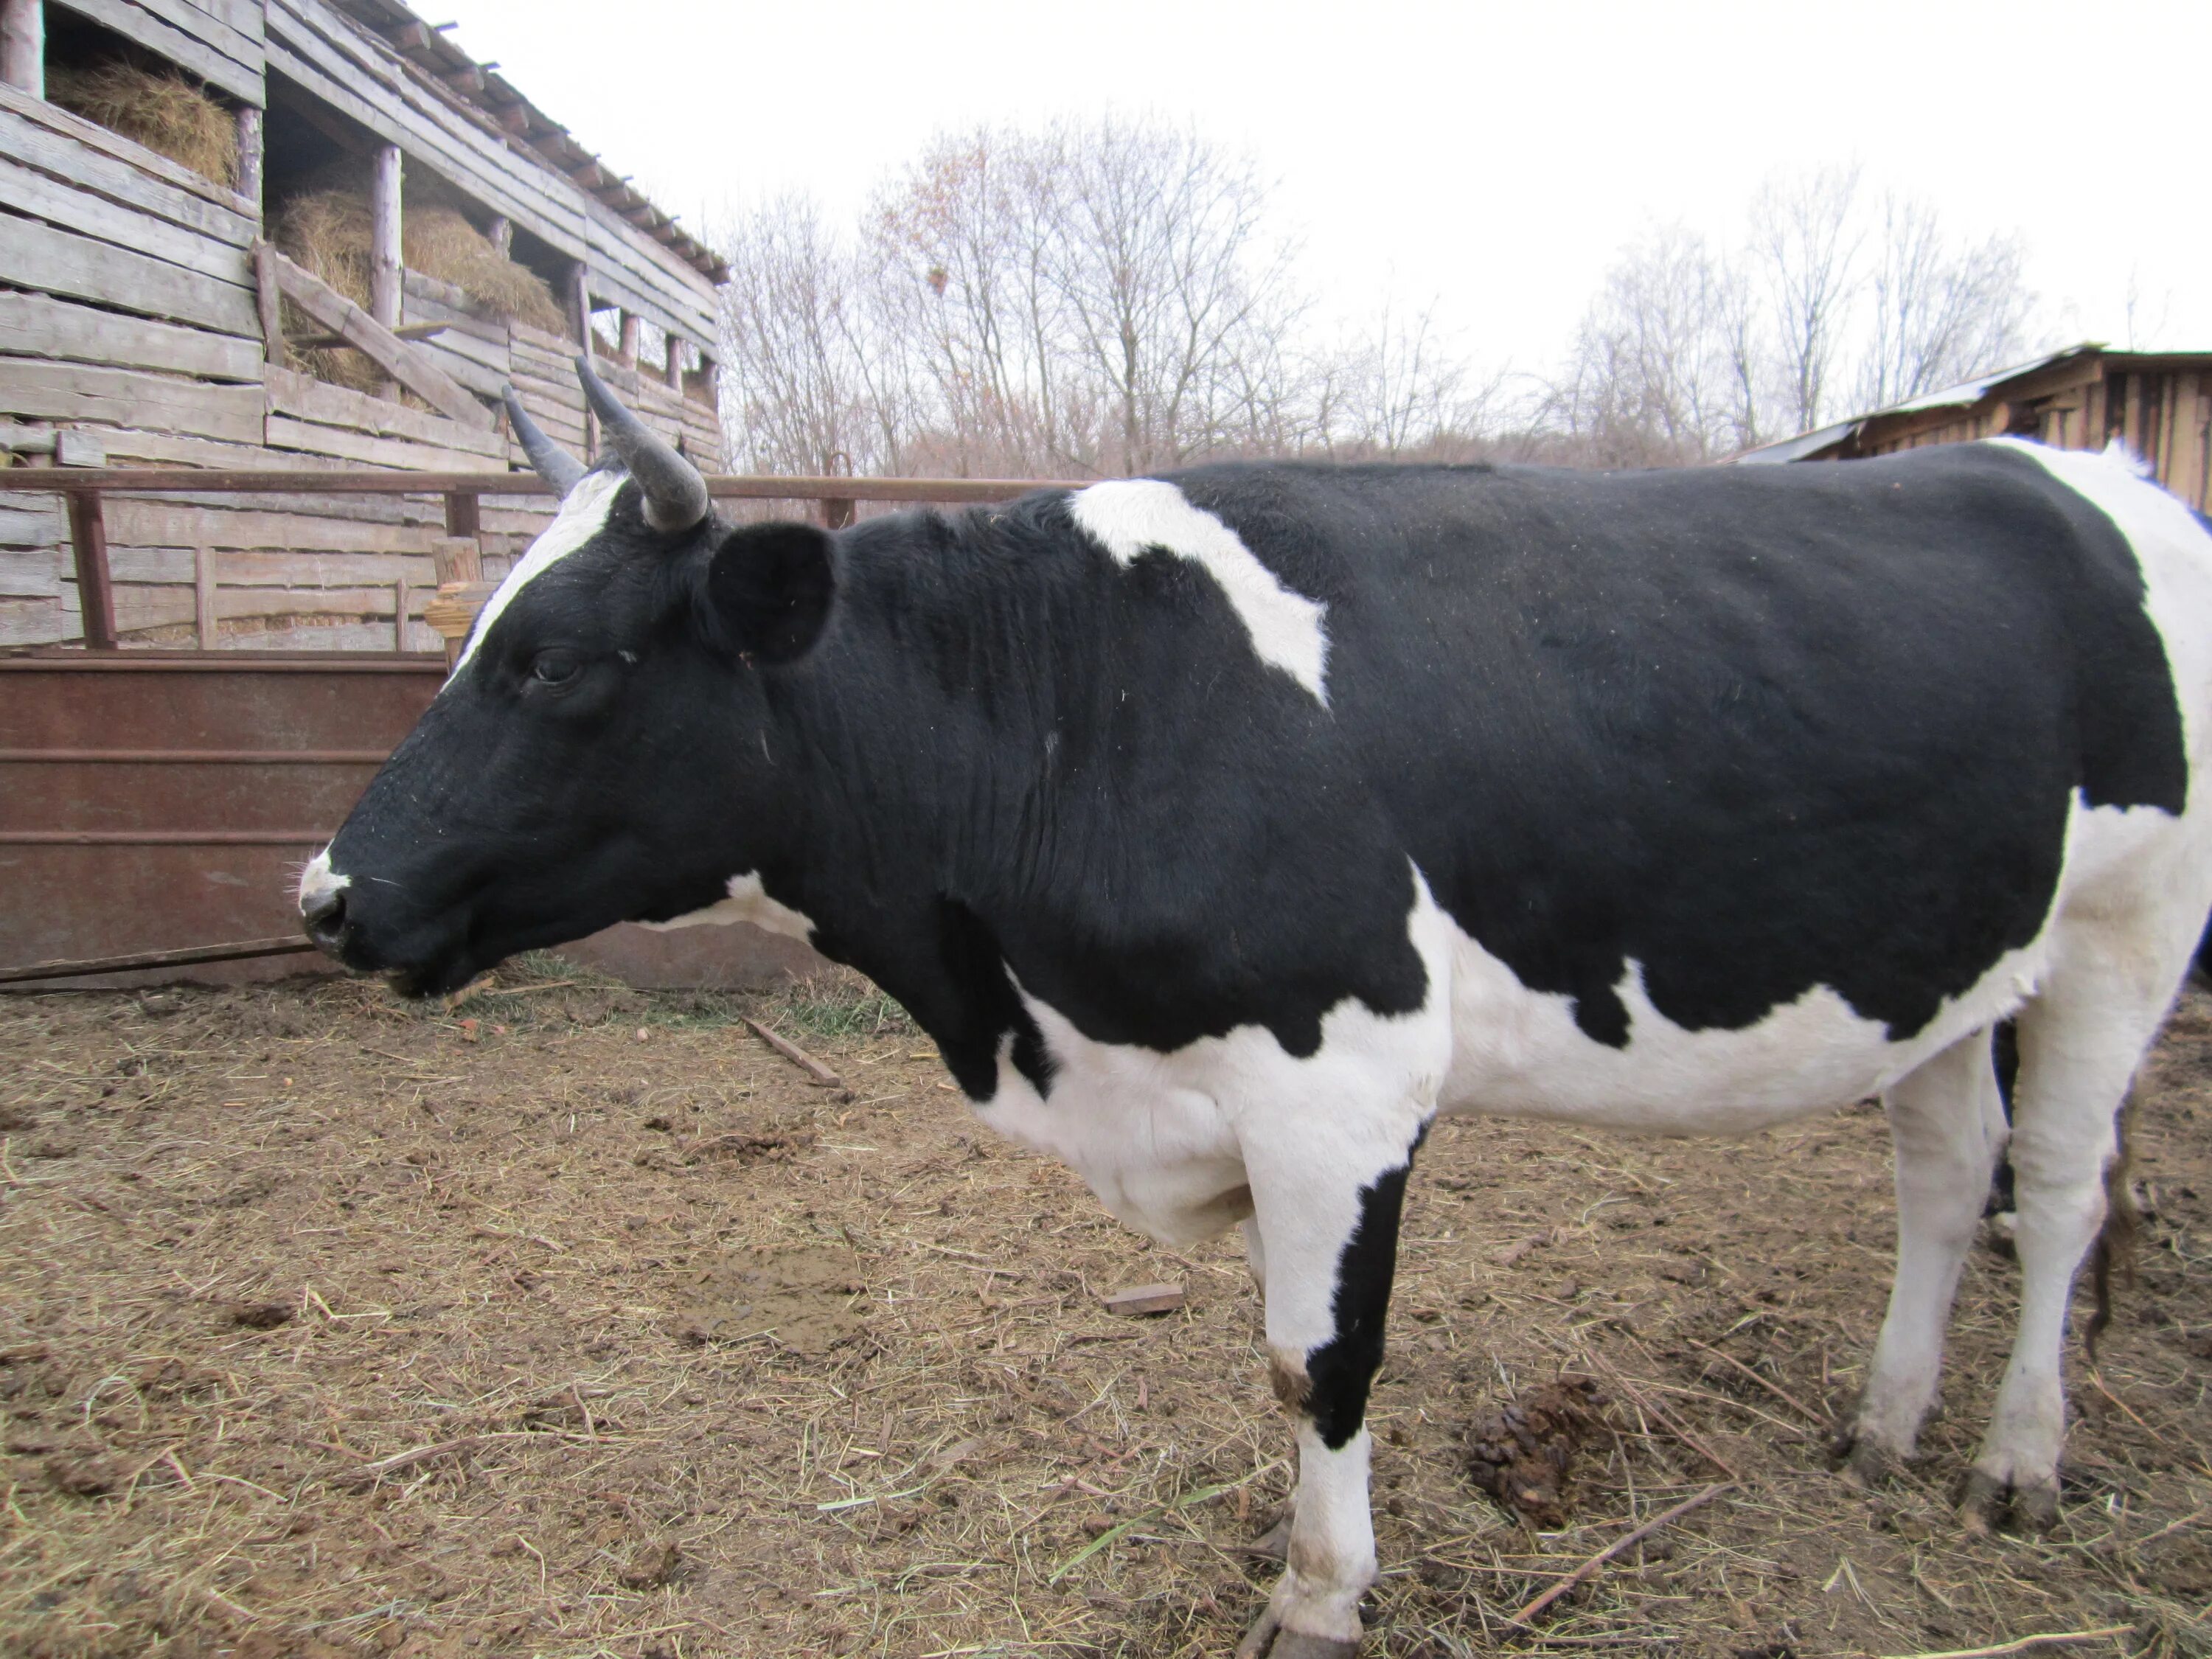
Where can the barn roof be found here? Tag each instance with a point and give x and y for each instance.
(2020, 385)
(1807, 445)
(494, 99)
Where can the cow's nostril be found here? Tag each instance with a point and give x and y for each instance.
(325, 914)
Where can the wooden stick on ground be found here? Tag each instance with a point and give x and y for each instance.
(1590, 1568)
(2026, 1643)
(822, 1076)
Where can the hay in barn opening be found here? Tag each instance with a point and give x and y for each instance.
(328, 231)
(162, 110)
(440, 242)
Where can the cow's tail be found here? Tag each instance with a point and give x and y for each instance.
(2115, 1248)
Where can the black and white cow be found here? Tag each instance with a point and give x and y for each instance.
(1224, 828)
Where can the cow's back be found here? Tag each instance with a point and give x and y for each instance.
(1751, 731)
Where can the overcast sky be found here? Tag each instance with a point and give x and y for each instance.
(1489, 157)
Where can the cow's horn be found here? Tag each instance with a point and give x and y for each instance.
(555, 465)
(675, 494)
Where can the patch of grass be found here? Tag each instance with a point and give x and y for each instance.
(837, 1006)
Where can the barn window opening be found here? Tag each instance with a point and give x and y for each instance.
(94, 72)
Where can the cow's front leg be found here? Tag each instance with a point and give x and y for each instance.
(1330, 1248)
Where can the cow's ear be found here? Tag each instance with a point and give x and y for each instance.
(771, 587)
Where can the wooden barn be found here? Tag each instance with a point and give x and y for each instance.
(2158, 403)
(246, 234)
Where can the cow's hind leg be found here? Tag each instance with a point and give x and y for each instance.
(1331, 1247)
(1946, 1125)
(2080, 1041)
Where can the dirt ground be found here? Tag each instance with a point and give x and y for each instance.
(576, 1321)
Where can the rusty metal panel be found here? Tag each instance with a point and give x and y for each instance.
(165, 801)
(157, 801)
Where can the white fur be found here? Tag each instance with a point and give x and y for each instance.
(583, 515)
(318, 881)
(748, 901)
(1130, 517)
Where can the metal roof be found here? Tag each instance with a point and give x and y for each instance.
(494, 102)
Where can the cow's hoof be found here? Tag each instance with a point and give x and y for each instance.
(1267, 1639)
(1988, 1503)
(1867, 1463)
(1274, 1543)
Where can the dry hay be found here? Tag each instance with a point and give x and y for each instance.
(440, 242)
(328, 231)
(332, 1327)
(163, 111)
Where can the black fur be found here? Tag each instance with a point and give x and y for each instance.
(1341, 1371)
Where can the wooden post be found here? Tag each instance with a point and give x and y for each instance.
(675, 364)
(207, 625)
(502, 236)
(399, 615)
(269, 302)
(579, 302)
(383, 235)
(23, 44)
(249, 154)
(631, 325)
(462, 590)
(95, 597)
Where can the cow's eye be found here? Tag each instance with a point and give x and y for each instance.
(556, 667)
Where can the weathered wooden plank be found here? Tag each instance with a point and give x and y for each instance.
(309, 400)
(394, 355)
(47, 136)
(285, 432)
(42, 197)
(72, 392)
(34, 622)
(30, 520)
(30, 573)
(233, 30)
(164, 26)
(40, 326)
(40, 256)
(138, 522)
(129, 445)
(429, 300)
(244, 15)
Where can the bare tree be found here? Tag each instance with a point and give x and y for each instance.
(1805, 240)
(1942, 311)
(796, 350)
(1656, 374)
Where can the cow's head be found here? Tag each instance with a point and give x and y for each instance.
(601, 752)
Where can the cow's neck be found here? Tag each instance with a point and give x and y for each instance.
(928, 736)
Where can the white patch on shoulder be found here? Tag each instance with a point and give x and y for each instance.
(2174, 553)
(583, 514)
(318, 881)
(748, 902)
(1130, 517)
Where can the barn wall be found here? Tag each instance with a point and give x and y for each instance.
(128, 315)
